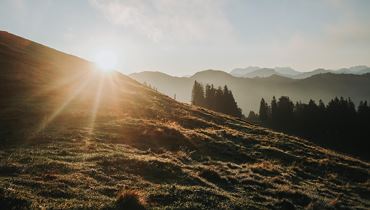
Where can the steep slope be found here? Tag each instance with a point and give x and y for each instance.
(248, 92)
(75, 137)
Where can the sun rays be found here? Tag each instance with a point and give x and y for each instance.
(106, 60)
(48, 119)
(91, 92)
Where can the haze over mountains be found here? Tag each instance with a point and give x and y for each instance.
(254, 71)
(249, 91)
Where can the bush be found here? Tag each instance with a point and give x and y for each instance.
(212, 176)
(130, 200)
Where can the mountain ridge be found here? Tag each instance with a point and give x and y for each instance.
(249, 91)
(254, 71)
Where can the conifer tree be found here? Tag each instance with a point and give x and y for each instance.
(197, 96)
(273, 110)
(264, 110)
(220, 99)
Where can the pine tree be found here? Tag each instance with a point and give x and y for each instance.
(220, 99)
(252, 116)
(337, 125)
(362, 108)
(264, 110)
(284, 112)
(197, 96)
(234, 109)
(321, 107)
(273, 110)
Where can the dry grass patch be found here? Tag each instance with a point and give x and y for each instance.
(130, 200)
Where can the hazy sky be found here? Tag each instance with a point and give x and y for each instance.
(181, 37)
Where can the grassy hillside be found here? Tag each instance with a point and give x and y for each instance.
(72, 137)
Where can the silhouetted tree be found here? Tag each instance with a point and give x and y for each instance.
(284, 112)
(210, 95)
(322, 108)
(252, 116)
(197, 96)
(273, 110)
(264, 110)
(220, 99)
(337, 125)
(363, 118)
(363, 108)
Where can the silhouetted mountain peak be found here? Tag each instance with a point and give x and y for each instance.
(242, 71)
(211, 73)
(286, 71)
(254, 71)
(152, 73)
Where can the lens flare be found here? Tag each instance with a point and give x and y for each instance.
(106, 60)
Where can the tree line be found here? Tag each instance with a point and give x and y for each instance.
(217, 99)
(338, 124)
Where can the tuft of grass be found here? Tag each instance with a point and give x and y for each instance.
(11, 201)
(130, 200)
(285, 205)
(213, 176)
(320, 204)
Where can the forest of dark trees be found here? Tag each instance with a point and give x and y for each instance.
(217, 99)
(337, 125)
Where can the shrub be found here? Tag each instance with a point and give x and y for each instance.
(212, 176)
(130, 200)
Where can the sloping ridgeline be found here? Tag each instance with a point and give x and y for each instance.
(73, 138)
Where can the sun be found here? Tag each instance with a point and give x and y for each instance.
(106, 60)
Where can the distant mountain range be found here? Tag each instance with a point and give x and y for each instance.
(249, 91)
(254, 71)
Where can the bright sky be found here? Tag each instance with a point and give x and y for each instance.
(181, 37)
